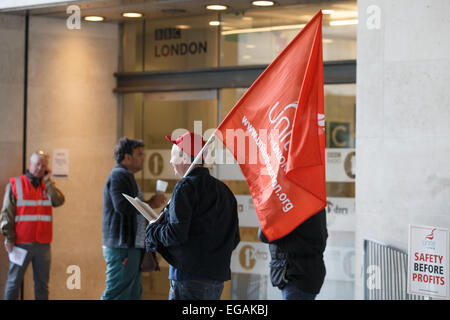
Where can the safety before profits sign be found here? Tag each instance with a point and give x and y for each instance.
(428, 261)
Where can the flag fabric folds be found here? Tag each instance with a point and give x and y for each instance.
(281, 119)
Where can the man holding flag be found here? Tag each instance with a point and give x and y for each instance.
(282, 116)
(199, 228)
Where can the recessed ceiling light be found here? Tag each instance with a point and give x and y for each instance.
(327, 11)
(216, 7)
(263, 3)
(94, 18)
(214, 23)
(132, 15)
(182, 26)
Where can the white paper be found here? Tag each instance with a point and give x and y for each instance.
(60, 164)
(161, 185)
(17, 255)
(142, 207)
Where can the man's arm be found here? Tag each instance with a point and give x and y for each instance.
(174, 227)
(119, 184)
(56, 196)
(8, 215)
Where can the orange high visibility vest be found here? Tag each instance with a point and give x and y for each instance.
(33, 221)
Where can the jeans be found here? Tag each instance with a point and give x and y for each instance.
(39, 256)
(291, 292)
(195, 290)
(123, 275)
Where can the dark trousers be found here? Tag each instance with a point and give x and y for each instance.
(291, 292)
(195, 290)
(123, 274)
(39, 256)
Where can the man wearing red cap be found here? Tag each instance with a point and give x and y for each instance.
(198, 230)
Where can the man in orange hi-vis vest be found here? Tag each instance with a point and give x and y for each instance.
(26, 223)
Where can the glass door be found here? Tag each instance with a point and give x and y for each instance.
(151, 117)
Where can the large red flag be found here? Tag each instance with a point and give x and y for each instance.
(282, 115)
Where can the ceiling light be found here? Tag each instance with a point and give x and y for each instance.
(216, 7)
(343, 22)
(94, 18)
(132, 15)
(327, 11)
(344, 15)
(182, 26)
(214, 23)
(263, 3)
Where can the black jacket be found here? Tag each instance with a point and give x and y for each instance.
(200, 228)
(119, 216)
(298, 257)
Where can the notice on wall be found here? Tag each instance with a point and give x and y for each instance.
(428, 261)
(60, 163)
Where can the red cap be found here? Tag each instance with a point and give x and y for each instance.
(190, 142)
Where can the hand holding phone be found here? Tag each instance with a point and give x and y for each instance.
(47, 173)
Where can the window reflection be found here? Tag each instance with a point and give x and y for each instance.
(258, 36)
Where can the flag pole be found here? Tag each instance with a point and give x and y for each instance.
(199, 155)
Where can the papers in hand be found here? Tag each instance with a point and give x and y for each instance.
(17, 255)
(143, 208)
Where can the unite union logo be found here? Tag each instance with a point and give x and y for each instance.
(431, 235)
(429, 240)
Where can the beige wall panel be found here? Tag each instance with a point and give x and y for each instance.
(12, 32)
(72, 106)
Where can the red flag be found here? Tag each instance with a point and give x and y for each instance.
(282, 116)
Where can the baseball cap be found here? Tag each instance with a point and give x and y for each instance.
(190, 142)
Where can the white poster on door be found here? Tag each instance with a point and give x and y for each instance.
(428, 261)
(340, 164)
(251, 257)
(341, 214)
(157, 164)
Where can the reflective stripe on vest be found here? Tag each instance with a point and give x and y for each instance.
(28, 203)
(33, 217)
